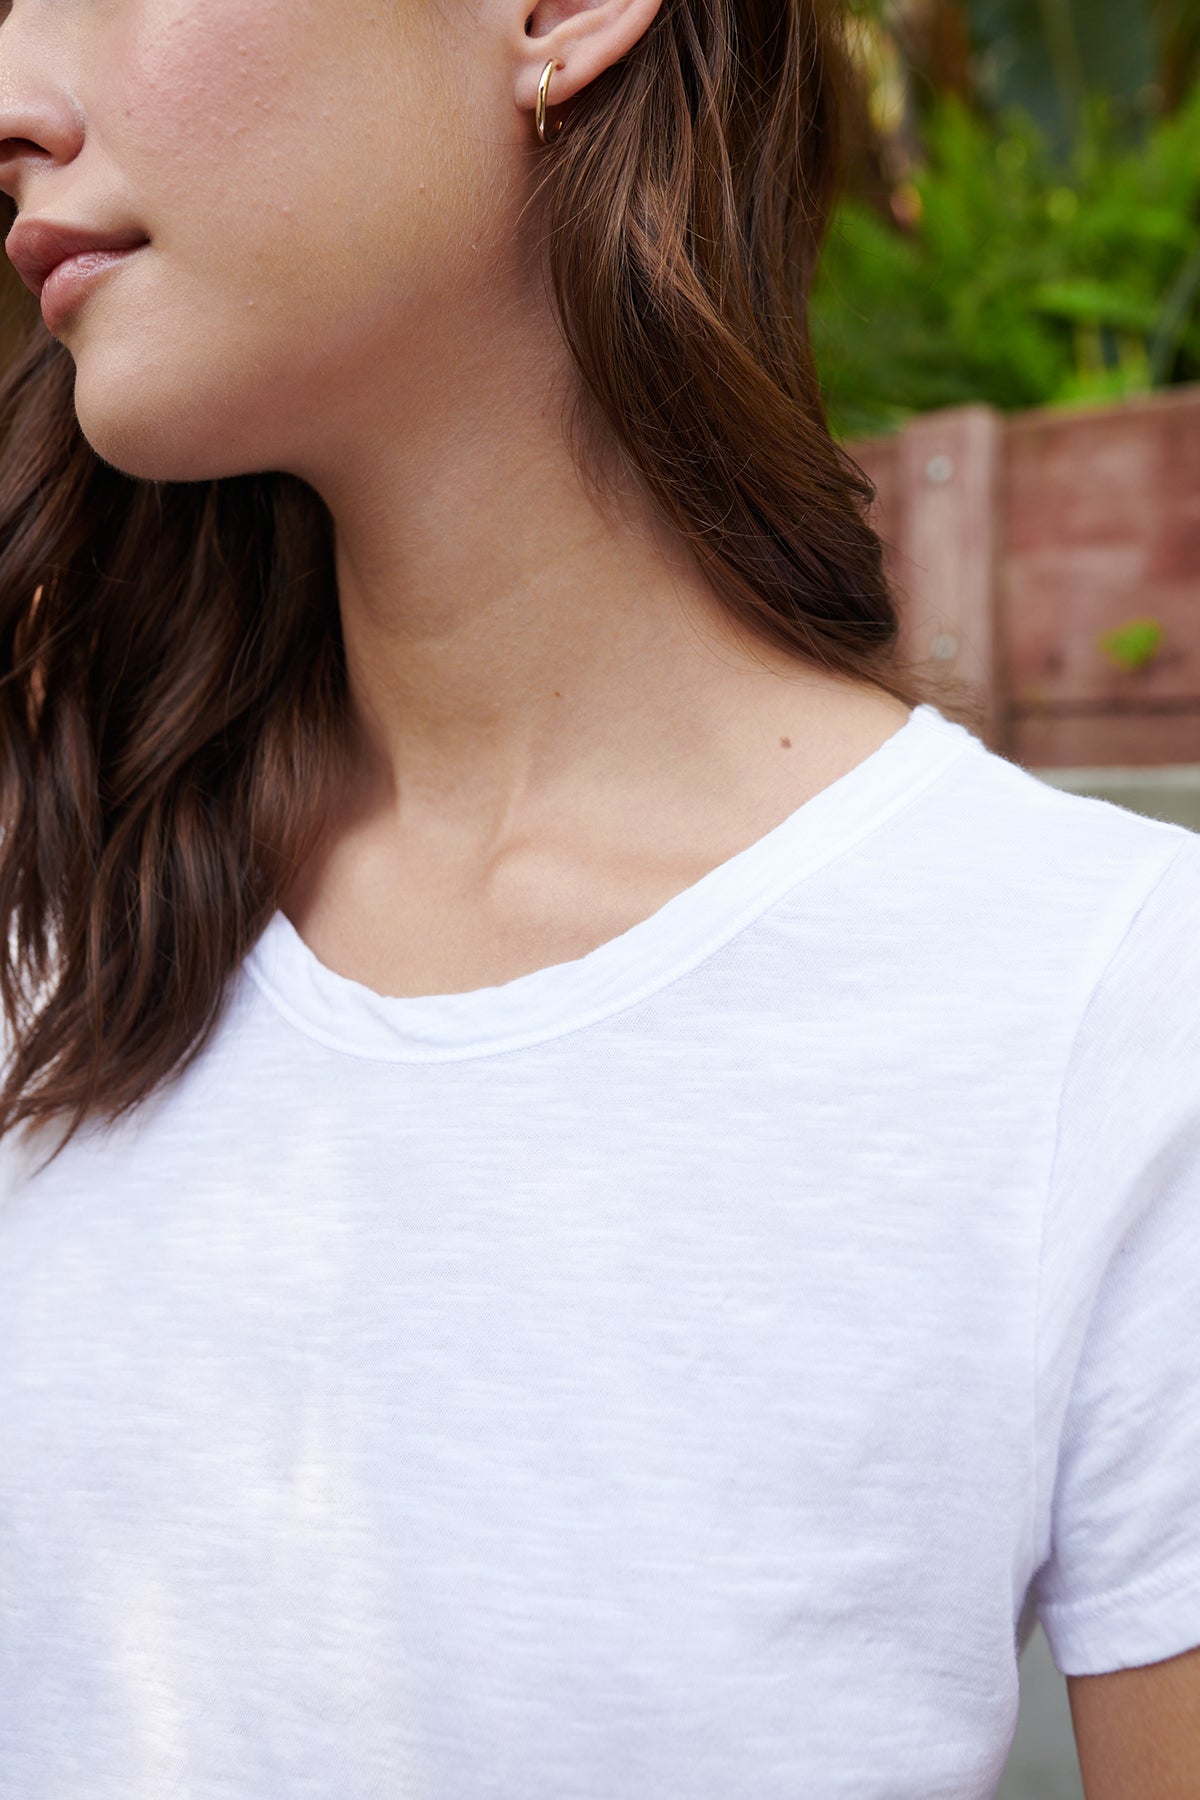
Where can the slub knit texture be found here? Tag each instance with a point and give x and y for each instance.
(684, 1372)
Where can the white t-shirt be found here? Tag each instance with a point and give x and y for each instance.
(678, 1372)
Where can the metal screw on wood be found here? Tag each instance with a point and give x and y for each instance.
(945, 646)
(939, 470)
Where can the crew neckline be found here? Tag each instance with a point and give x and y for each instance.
(547, 1003)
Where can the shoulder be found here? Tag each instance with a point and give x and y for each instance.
(1063, 849)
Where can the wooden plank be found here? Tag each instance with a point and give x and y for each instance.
(1103, 528)
(949, 479)
(1095, 523)
(1134, 740)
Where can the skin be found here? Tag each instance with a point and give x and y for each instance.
(560, 727)
(1138, 1730)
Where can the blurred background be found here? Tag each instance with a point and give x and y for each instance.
(1007, 329)
(1023, 225)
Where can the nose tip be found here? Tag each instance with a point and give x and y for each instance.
(41, 124)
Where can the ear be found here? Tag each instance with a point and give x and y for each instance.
(585, 36)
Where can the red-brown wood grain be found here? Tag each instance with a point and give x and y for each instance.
(1093, 522)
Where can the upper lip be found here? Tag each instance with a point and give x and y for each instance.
(36, 246)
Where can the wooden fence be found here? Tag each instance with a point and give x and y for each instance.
(1018, 543)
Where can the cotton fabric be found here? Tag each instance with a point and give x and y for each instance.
(688, 1370)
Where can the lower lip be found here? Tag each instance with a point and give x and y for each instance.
(69, 281)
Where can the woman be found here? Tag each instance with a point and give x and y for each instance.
(627, 1212)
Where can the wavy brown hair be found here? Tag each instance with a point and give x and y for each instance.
(173, 701)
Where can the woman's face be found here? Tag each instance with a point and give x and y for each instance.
(326, 186)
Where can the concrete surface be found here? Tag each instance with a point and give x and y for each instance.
(1171, 793)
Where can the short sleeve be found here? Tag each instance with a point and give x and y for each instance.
(1118, 1313)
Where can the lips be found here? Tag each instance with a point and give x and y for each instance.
(36, 246)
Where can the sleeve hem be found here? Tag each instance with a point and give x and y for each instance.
(1144, 1622)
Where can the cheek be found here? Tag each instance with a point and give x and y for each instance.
(255, 132)
(205, 112)
(236, 108)
(198, 105)
(306, 217)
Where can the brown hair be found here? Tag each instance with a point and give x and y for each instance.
(173, 719)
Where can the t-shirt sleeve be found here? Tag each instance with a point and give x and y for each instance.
(1118, 1312)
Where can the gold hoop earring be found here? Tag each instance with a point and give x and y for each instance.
(543, 91)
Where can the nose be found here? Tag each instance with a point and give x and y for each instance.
(41, 125)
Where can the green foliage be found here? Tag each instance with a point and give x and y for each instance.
(1022, 282)
(1133, 645)
(1043, 55)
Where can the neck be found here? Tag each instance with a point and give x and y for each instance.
(512, 635)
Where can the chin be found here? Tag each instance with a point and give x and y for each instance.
(151, 434)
